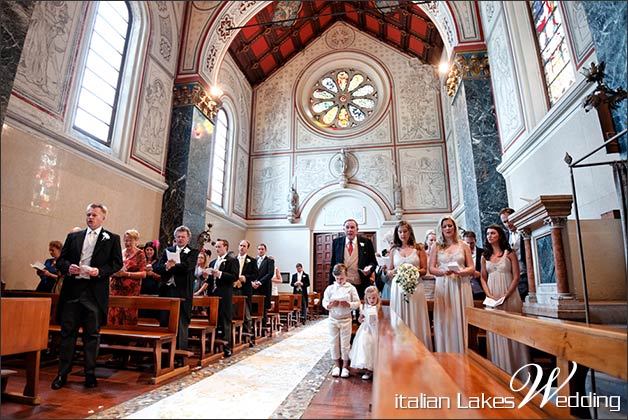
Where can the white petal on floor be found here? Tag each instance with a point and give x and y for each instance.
(252, 388)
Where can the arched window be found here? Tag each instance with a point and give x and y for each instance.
(102, 73)
(552, 46)
(219, 167)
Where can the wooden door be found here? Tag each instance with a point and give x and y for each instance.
(322, 256)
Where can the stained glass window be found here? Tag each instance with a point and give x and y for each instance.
(343, 99)
(95, 111)
(555, 58)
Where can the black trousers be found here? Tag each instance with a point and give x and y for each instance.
(81, 312)
(184, 318)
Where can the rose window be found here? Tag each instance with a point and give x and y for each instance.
(343, 99)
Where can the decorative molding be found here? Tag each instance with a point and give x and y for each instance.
(193, 94)
(555, 222)
(467, 65)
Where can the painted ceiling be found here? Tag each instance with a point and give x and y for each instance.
(284, 28)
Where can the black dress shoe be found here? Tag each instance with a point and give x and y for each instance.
(90, 381)
(59, 382)
(228, 353)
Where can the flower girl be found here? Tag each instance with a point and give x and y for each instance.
(362, 353)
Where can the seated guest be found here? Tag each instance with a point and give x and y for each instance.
(476, 253)
(127, 281)
(49, 274)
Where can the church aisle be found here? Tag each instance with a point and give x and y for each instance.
(251, 388)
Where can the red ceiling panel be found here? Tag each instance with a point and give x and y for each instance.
(371, 24)
(306, 32)
(393, 34)
(287, 48)
(259, 46)
(256, 50)
(268, 63)
(416, 45)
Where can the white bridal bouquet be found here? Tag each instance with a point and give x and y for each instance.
(408, 278)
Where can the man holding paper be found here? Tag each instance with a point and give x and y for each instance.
(88, 258)
(176, 268)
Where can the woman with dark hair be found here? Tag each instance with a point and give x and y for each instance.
(412, 308)
(150, 285)
(500, 277)
(49, 274)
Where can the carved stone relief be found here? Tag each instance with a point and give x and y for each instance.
(154, 115)
(49, 48)
(273, 108)
(241, 185)
(270, 178)
(340, 37)
(423, 179)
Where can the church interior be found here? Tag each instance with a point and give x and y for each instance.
(275, 122)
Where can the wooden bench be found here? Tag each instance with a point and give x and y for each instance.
(24, 330)
(257, 315)
(161, 341)
(203, 329)
(273, 317)
(285, 305)
(597, 347)
(412, 382)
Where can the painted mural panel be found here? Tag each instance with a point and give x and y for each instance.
(241, 182)
(49, 50)
(423, 180)
(154, 117)
(269, 186)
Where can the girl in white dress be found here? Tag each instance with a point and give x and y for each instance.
(414, 312)
(362, 352)
(500, 277)
(452, 264)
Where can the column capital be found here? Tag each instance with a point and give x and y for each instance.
(555, 222)
(526, 234)
(194, 94)
(467, 65)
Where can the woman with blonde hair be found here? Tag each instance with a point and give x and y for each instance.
(128, 281)
(452, 264)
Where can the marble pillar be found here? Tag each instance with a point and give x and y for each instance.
(607, 23)
(15, 19)
(187, 167)
(530, 273)
(557, 225)
(484, 189)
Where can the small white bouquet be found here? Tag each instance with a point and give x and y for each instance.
(407, 278)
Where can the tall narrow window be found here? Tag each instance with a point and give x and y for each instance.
(100, 85)
(219, 167)
(555, 58)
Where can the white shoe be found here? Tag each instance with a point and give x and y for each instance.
(335, 372)
(345, 373)
(366, 376)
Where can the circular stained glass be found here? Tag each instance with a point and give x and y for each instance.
(343, 99)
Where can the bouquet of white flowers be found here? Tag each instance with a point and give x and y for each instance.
(407, 278)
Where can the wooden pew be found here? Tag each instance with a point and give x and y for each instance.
(203, 329)
(161, 340)
(273, 317)
(285, 304)
(600, 348)
(54, 300)
(412, 382)
(257, 315)
(24, 329)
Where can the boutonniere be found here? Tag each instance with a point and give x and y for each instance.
(361, 243)
(105, 236)
(186, 250)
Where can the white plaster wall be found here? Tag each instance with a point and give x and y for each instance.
(604, 260)
(28, 223)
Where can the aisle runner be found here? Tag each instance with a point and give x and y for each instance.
(252, 388)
